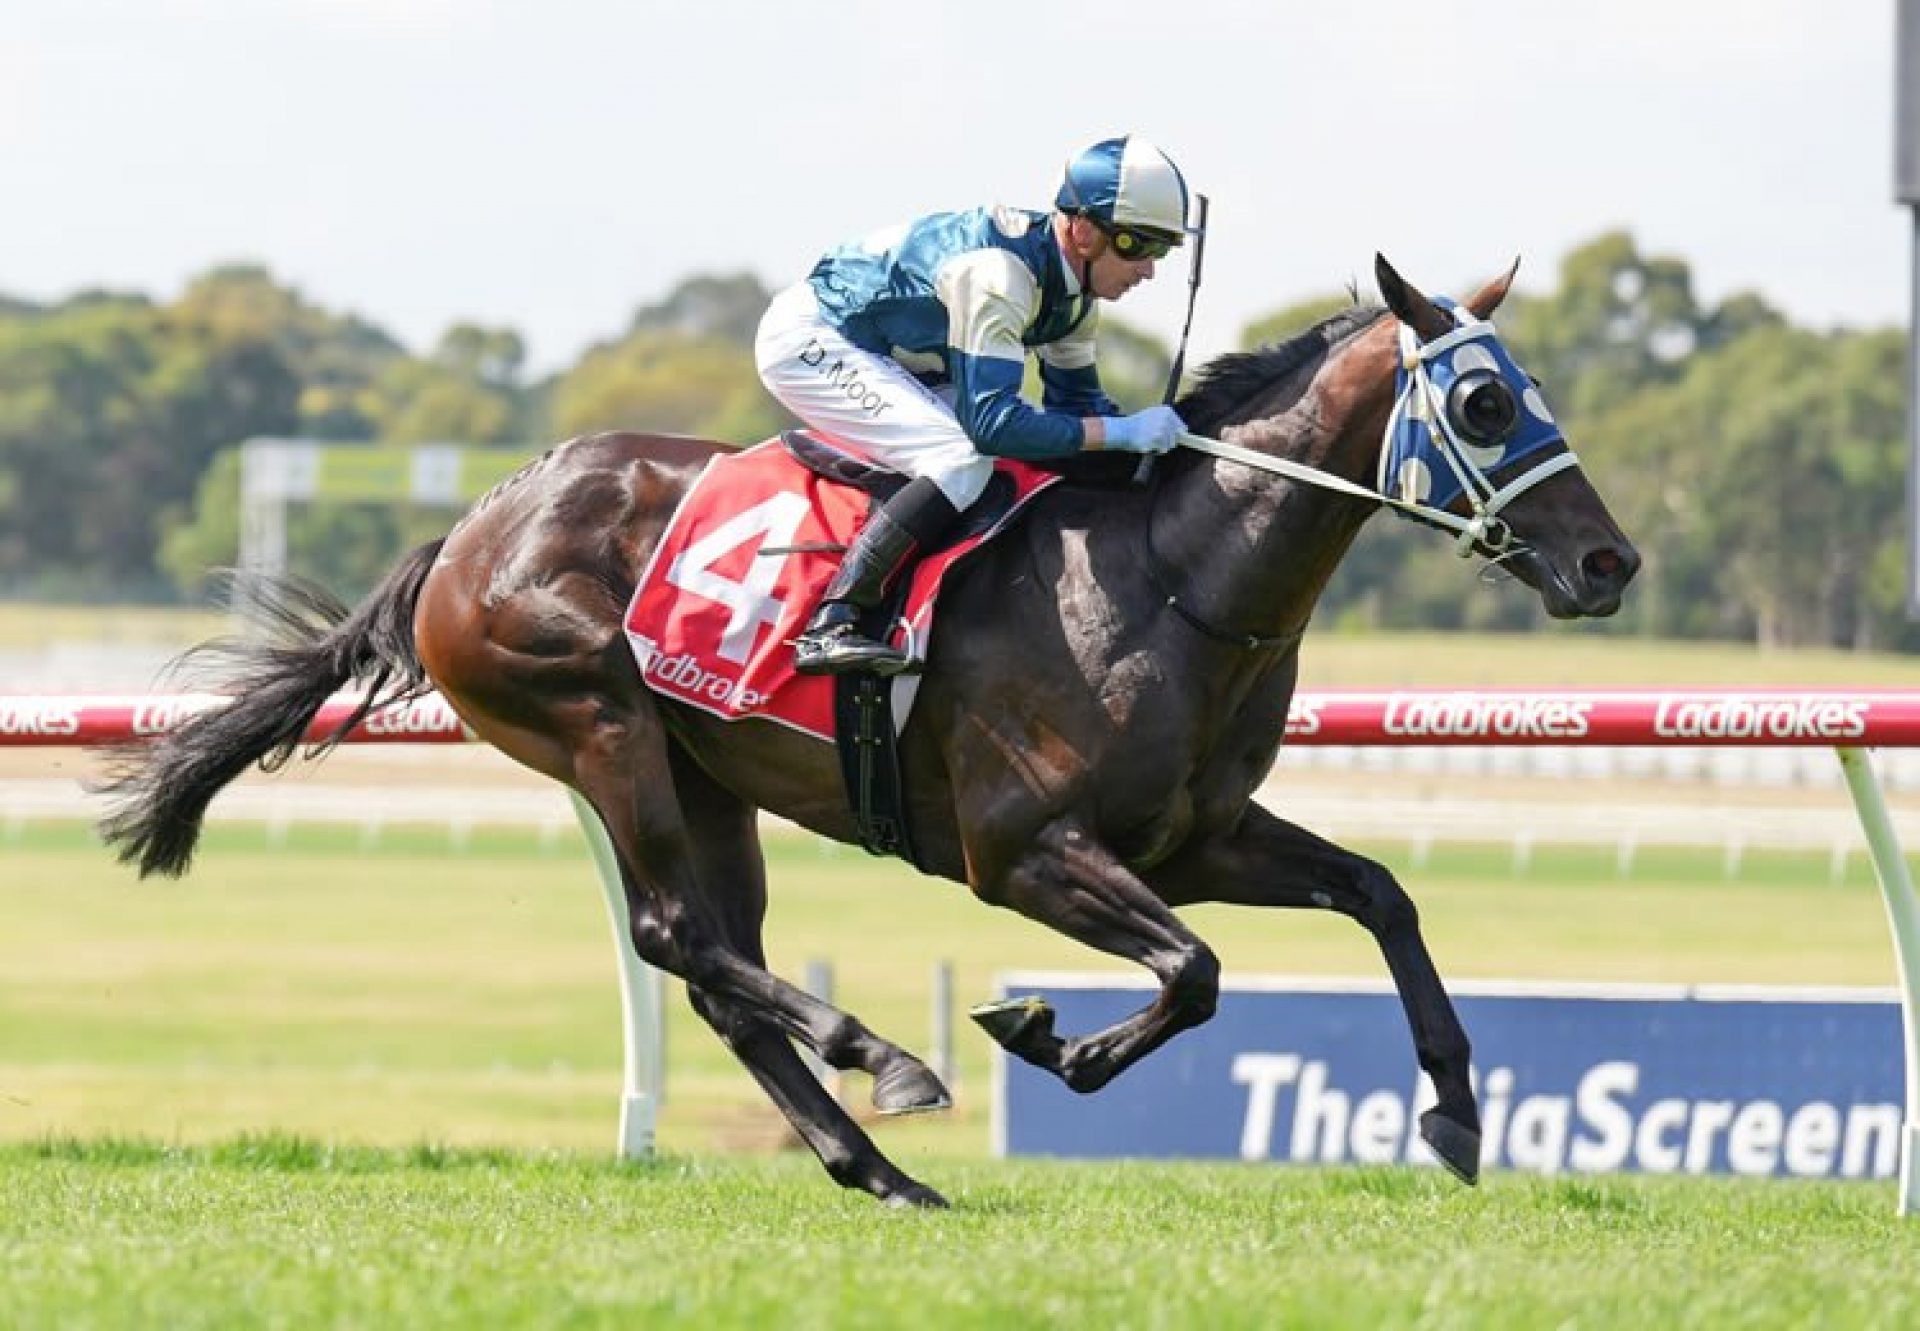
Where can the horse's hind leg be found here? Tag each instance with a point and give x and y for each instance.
(724, 841)
(1267, 861)
(847, 1153)
(624, 771)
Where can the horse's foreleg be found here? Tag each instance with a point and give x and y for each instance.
(1070, 883)
(1266, 861)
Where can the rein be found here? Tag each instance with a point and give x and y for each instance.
(1484, 528)
(1420, 398)
(1163, 585)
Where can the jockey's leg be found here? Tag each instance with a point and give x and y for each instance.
(873, 405)
(910, 522)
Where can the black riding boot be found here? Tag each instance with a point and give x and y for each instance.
(898, 531)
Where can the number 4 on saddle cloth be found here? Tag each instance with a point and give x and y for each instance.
(746, 556)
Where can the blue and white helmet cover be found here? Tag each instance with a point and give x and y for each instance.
(1413, 467)
(1126, 182)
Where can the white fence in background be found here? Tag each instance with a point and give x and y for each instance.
(1616, 821)
(1769, 769)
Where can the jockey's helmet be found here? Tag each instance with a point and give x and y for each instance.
(1127, 185)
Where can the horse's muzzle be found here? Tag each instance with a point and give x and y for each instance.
(1596, 585)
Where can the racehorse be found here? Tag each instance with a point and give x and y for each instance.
(1109, 687)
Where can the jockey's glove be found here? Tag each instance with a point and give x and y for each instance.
(1154, 430)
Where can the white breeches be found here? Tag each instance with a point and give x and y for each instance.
(865, 401)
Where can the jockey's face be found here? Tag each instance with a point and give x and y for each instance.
(1112, 276)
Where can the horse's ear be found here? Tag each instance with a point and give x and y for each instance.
(1426, 319)
(1487, 299)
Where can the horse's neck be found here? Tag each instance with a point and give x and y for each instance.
(1257, 549)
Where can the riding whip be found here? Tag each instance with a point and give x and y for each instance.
(1145, 469)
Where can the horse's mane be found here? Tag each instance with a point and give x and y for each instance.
(1230, 381)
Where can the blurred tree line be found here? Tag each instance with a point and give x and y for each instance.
(1759, 466)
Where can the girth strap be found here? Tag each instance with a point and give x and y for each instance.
(863, 732)
(868, 743)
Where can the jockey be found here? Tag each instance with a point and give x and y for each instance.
(910, 346)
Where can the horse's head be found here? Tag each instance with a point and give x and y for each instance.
(1470, 445)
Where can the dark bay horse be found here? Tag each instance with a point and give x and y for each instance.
(1109, 687)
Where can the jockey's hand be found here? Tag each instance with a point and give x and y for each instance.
(1154, 430)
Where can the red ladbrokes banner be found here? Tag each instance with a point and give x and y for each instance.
(738, 572)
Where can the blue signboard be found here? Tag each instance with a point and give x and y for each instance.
(1590, 1080)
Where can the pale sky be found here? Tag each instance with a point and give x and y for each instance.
(553, 164)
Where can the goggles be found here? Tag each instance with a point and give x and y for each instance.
(1136, 246)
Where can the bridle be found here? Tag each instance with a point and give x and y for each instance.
(1420, 429)
(1419, 401)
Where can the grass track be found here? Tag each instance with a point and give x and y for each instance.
(411, 995)
(354, 1004)
(284, 1232)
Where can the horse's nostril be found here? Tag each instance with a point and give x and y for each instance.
(1607, 566)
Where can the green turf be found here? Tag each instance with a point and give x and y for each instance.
(288, 1232)
(328, 1083)
(409, 993)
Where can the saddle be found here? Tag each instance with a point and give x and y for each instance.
(739, 568)
(880, 483)
(1100, 471)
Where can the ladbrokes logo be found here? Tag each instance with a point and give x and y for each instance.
(424, 716)
(1470, 716)
(157, 718)
(28, 717)
(1303, 718)
(684, 675)
(1760, 718)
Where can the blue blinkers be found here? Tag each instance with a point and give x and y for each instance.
(1489, 412)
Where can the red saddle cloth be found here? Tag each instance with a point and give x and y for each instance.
(739, 570)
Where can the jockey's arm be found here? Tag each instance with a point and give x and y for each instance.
(991, 299)
(1071, 375)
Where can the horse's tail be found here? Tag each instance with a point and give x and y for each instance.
(313, 647)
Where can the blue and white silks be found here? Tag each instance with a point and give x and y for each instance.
(962, 298)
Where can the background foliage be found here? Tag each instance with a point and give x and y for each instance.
(1758, 464)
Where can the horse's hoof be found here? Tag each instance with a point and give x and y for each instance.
(1458, 1147)
(1013, 1022)
(911, 1088)
(918, 1197)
